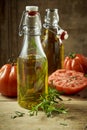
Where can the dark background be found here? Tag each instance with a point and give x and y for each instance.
(73, 18)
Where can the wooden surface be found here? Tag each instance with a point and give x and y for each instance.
(74, 119)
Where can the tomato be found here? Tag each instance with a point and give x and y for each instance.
(67, 81)
(76, 62)
(8, 80)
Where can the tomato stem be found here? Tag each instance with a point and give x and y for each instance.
(12, 60)
(72, 55)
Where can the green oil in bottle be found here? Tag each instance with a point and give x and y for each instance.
(32, 81)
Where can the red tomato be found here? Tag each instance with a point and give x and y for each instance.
(67, 81)
(8, 80)
(76, 62)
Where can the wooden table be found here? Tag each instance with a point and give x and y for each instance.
(74, 119)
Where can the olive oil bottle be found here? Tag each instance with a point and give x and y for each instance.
(32, 65)
(52, 40)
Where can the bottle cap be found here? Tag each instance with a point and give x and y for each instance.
(31, 8)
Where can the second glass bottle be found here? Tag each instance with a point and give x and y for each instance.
(52, 40)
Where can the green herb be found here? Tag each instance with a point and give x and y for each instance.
(17, 114)
(49, 103)
(63, 124)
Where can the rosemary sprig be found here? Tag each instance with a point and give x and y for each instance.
(49, 104)
(17, 114)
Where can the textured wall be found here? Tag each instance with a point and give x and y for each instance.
(73, 18)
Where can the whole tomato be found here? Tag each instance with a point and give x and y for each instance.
(77, 62)
(8, 80)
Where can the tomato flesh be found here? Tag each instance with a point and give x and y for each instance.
(67, 81)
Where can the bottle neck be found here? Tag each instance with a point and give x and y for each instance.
(31, 31)
(51, 24)
(51, 18)
(32, 41)
(30, 23)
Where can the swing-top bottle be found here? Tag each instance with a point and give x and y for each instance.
(32, 62)
(52, 40)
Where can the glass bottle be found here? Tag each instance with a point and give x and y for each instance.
(32, 63)
(52, 40)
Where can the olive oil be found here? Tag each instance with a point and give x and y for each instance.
(32, 80)
(52, 49)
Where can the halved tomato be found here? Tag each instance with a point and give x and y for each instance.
(67, 81)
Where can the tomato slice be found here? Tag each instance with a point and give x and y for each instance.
(67, 81)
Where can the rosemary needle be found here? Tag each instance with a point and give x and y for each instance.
(17, 114)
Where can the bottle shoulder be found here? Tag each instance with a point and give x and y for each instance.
(32, 45)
